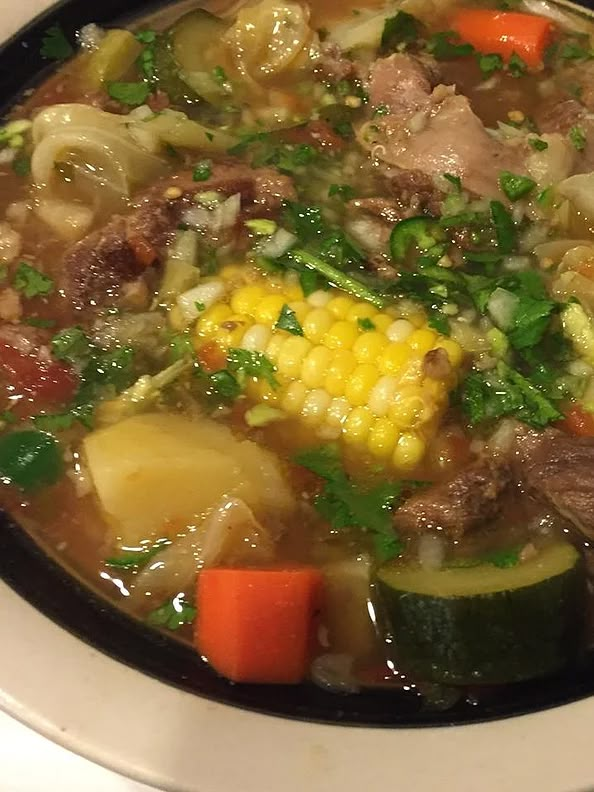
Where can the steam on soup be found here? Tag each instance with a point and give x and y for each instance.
(297, 340)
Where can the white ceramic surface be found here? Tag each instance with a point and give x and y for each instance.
(152, 732)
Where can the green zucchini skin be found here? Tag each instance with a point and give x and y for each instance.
(489, 638)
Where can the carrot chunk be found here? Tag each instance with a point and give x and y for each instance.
(505, 32)
(256, 625)
(577, 422)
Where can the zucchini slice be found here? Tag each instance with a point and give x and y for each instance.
(484, 624)
(182, 62)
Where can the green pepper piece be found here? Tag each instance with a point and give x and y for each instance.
(424, 232)
(30, 458)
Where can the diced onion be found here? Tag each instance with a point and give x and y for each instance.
(205, 294)
(502, 306)
(431, 551)
(220, 218)
(278, 244)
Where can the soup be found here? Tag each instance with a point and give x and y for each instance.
(297, 336)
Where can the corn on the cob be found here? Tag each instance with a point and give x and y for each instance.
(356, 373)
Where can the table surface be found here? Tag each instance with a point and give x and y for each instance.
(19, 744)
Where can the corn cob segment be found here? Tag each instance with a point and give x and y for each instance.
(356, 374)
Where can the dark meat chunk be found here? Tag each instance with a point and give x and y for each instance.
(555, 116)
(315, 133)
(333, 65)
(471, 498)
(96, 268)
(559, 469)
(414, 190)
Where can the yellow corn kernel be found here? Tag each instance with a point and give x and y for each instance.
(209, 322)
(394, 357)
(339, 306)
(409, 451)
(342, 365)
(383, 436)
(316, 324)
(232, 272)
(268, 309)
(293, 291)
(290, 357)
(245, 299)
(315, 366)
(368, 346)
(361, 310)
(292, 401)
(382, 321)
(342, 335)
(382, 395)
(360, 383)
(356, 425)
(399, 330)
(274, 346)
(453, 349)
(408, 410)
(259, 390)
(337, 412)
(319, 298)
(422, 340)
(315, 406)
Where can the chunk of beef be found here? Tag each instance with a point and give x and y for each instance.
(96, 268)
(11, 307)
(400, 83)
(559, 469)
(415, 190)
(472, 497)
(333, 65)
(315, 133)
(555, 116)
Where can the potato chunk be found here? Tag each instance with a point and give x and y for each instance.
(156, 473)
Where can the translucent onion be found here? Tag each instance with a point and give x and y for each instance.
(579, 190)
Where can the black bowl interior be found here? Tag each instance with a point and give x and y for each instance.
(48, 587)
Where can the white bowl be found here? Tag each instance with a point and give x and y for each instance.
(158, 734)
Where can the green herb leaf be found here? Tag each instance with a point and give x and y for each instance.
(538, 144)
(516, 66)
(573, 50)
(288, 321)
(21, 165)
(503, 559)
(505, 229)
(444, 46)
(146, 36)
(223, 387)
(219, 75)
(71, 345)
(136, 559)
(31, 282)
(515, 186)
(578, 137)
(344, 191)
(55, 45)
(173, 614)
(365, 323)
(455, 180)
(129, 93)
(36, 321)
(244, 363)
(402, 28)
(202, 171)
(488, 64)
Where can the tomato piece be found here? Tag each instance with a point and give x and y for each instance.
(49, 382)
(211, 357)
(577, 421)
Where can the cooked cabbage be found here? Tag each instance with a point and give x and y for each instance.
(157, 473)
(579, 190)
(579, 328)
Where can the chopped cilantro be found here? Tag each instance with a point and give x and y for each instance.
(503, 558)
(245, 363)
(402, 28)
(31, 282)
(309, 281)
(505, 229)
(55, 45)
(58, 422)
(288, 321)
(573, 50)
(516, 66)
(444, 46)
(129, 93)
(173, 614)
(578, 137)
(146, 36)
(365, 323)
(538, 144)
(37, 321)
(344, 191)
(71, 345)
(488, 64)
(515, 186)
(146, 62)
(219, 75)
(345, 504)
(21, 165)
(222, 386)
(202, 171)
(136, 559)
(455, 180)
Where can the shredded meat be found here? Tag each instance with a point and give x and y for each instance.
(96, 268)
(472, 497)
(559, 469)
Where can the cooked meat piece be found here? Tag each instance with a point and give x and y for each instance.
(11, 307)
(555, 116)
(436, 364)
(333, 65)
(401, 83)
(415, 190)
(315, 133)
(559, 469)
(96, 268)
(470, 498)
(23, 338)
(449, 138)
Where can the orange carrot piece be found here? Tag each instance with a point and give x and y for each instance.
(577, 422)
(505, 32)
(256, 625)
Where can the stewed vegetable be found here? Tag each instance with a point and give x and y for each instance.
(297, 335)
